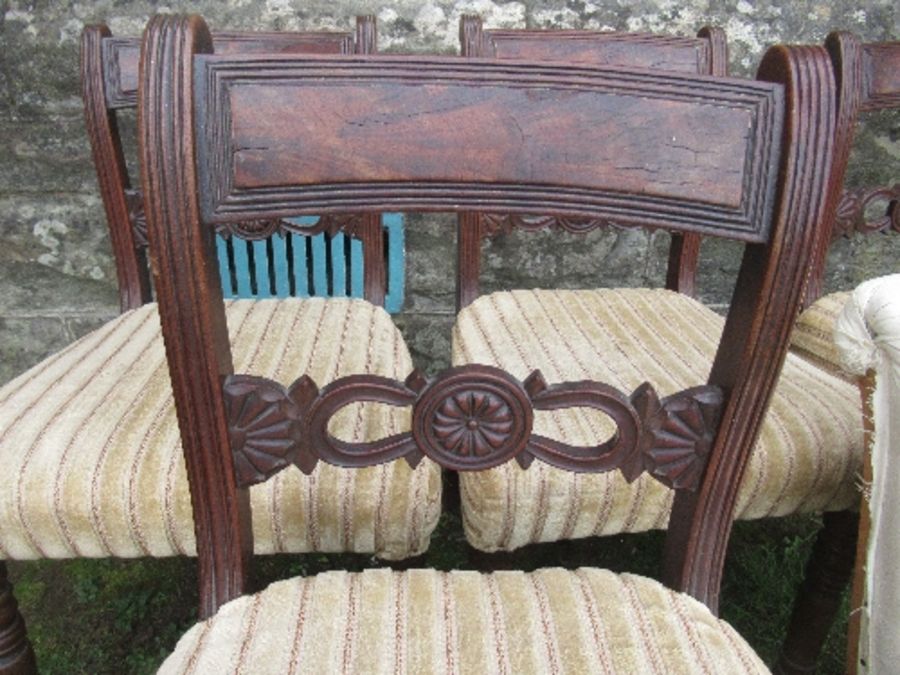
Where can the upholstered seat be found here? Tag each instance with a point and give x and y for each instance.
(813, 336)
(90, 444)
(423, 621)
(806, 458)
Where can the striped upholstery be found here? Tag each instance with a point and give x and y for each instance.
(422, 621)
(813, 336)
(91, 452)
(806, 459)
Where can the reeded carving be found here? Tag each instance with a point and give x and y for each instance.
(470, 418)
(135, 202)
(493, 224)
(851, 211)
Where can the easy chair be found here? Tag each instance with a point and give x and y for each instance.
(867, 335)
(88, 438)
(311, 135)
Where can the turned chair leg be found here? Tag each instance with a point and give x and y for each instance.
(827, 574)
(16, 655)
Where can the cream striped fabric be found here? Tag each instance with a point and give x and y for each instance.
(806, 459)
(813, 336)
(91, 452)
(422, 621)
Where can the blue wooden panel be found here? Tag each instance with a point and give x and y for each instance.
(280, 266)
(224, 266)
(396, 261)
(301, 270)
(338, 267)
(319, 256)
(242, 267)
(261, 269)
(356, 268)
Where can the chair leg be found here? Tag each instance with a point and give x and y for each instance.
(827, 574)
(16, 655)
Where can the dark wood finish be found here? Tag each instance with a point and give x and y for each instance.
(16, 655)
(469, 418)
(868, 80)
(765, 302)
(705, 54)
(250, 169)
(109, 83)
(112, 174)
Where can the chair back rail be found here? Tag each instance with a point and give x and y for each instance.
(868, 79)
(705, 54)
(109, 83)
(228, 138)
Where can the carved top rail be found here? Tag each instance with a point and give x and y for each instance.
(334, 150)
(121, 55)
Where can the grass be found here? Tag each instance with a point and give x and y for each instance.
(115, 616)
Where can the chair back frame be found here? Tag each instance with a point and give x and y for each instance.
(707, 54)
(250, 168)
(109, 78)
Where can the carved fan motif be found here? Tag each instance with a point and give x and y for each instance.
(493, 224)
(135, 202)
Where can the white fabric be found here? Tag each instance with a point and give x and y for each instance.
(868, 337)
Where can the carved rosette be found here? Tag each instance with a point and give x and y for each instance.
(470, 418)
(852, 207)
(473, 420)
(494, 224)
(134, 200)
(350, 224)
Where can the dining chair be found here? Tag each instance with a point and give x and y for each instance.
(225, 138)
(92, 451)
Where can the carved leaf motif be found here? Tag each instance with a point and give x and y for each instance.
(493, 224)
(678, 435)
(264, 425)
(852, 207)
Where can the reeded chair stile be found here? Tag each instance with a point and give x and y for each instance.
(317, 135)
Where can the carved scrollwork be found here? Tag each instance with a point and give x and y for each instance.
(470, 418)
(494, 224)
(852, 207)
(134, 200)
(350, 224)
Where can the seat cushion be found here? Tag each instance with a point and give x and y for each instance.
(422, 621)
(806, 459)
(813, 335)
(92, 456)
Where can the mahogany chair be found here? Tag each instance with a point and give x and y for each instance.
(225, 138)
(867, 334)
(88, 437)
(109, 86)
(808, 455)
(706, 54)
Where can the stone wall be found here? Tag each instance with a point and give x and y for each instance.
(56, 273)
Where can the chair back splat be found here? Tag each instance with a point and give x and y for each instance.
(228, 138)
(707, 54)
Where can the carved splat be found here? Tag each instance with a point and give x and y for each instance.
(470, 418)
(851, 211)
(494, 224)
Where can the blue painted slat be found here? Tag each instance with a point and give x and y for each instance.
(261, 269)
(301, 271)
(338, 267)
(224, 267)
(242, 268)
(280, 266)
(396, 263)
(356, 268)
(319, 265)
